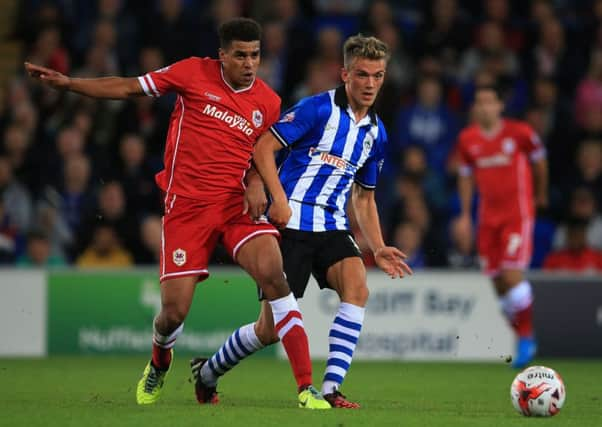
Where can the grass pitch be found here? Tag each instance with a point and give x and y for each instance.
(99, 391)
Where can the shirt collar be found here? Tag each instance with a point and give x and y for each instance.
(340, 99)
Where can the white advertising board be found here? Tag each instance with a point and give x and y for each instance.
(428, 316)
(22, 313)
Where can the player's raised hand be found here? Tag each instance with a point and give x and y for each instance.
(280, 213)
(391, 260)
(48, 76)
(256, 200)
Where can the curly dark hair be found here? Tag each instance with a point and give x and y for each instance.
(241, 29)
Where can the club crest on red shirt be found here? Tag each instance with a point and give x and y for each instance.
(508, 145)
(257, 118)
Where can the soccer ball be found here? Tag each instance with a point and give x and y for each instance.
(538, 391)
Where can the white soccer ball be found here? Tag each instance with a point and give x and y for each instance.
(538, 391)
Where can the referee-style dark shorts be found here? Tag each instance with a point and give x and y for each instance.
(309, 252)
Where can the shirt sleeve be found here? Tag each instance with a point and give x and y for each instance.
(295, 122)
(368, 174)
(172, 78)
(531, 144)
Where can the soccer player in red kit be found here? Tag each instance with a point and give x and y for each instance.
(504, 158)
(220, 111)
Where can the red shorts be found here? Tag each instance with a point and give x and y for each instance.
(192, 228)
(505, 246)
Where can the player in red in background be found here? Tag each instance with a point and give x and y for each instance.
(504, 157)
(220, 111)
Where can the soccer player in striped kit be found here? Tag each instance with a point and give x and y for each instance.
(220, 110)
(335, 146)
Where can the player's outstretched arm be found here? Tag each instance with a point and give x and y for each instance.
(389, 259)
(106, 87)
(263, 157)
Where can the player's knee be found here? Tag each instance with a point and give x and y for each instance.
(174, 315)
(357, 295)
(271, 279)
(510, 278)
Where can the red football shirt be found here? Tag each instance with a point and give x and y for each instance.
(501, 165)
(212, 129)
(584, 261)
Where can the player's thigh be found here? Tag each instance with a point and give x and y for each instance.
(348, 278)
(489, 248)
(517, 244)
(336, 260)
(249, 241)
(254, 246)
(189, 236)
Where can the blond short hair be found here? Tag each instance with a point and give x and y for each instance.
(360, 46)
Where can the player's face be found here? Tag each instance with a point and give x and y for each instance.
(487, 107)
(240, 61)
(363, 80)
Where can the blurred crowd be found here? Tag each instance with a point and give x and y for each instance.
(77, 174)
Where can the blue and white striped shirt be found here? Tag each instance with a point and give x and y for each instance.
(327, 152)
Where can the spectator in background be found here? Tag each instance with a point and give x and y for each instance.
(219, 11)
(445, 34)
(69, 143)
(8, 237)
(427, 123)
(299, 42)
(104, 250)
(550, 114)
(552, 58)
(378, 14)
(400, 69)
(462, 252)
(490, 47)
(104, 40)
(39, 252)
(588, 96)
(407, 236)
(75, 191)
(173, 29)
(576, 256)
(112, 210)
(126, 30)
(16, 146)
(25, 116)
(150, 233)
(328, 52)
(583, 207)
(500, 12)
(49, 220)
(16, 198)
(49, 51)
(432, 181)
(589, 168)
(316, 81)
(272, 68)
(137, 177)
(400, 75)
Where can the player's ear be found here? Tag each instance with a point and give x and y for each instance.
(222, 54)
(344, 74)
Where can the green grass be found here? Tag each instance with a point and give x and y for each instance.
(99, 391)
